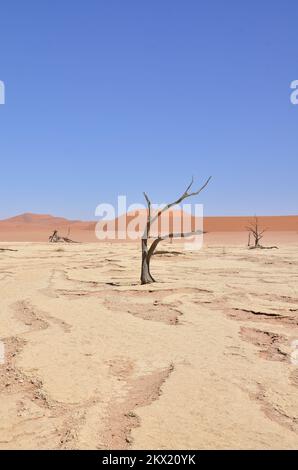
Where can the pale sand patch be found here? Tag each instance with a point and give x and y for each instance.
(200, 359)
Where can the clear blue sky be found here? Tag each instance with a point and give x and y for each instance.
(108, 97)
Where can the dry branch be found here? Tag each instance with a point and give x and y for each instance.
(7, 249)
(55, 238)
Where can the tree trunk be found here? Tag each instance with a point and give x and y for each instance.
(146, 277)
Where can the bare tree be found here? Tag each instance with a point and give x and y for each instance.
(147, 252)
(257, 233)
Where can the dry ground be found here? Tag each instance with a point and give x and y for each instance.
(199, 360)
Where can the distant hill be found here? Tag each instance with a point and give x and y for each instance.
(35, 219)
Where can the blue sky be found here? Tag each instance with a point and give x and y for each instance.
(117, 97)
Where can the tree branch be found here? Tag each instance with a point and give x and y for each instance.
(185, 195)
(170, 235)
(147, 231)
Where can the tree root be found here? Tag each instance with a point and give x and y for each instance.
(260, 247)
(7, 249)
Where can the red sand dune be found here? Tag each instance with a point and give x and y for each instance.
(38, 227)
(239, 224)
(214, 224)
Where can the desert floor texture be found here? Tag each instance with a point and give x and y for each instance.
(202, 359)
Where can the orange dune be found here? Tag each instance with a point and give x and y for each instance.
(37, 227)
(239, 224)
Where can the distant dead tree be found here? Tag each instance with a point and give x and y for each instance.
(147, 252)
(257, 233)
(55, 238)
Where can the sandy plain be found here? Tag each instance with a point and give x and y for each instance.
(203, 359)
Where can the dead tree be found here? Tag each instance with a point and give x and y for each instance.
(55, 238)
(147, 252)
(257, 233)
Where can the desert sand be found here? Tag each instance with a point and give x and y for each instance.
(199, 360)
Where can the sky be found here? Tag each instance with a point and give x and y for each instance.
(111, 97)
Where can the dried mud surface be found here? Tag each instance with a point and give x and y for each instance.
(201, 359)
